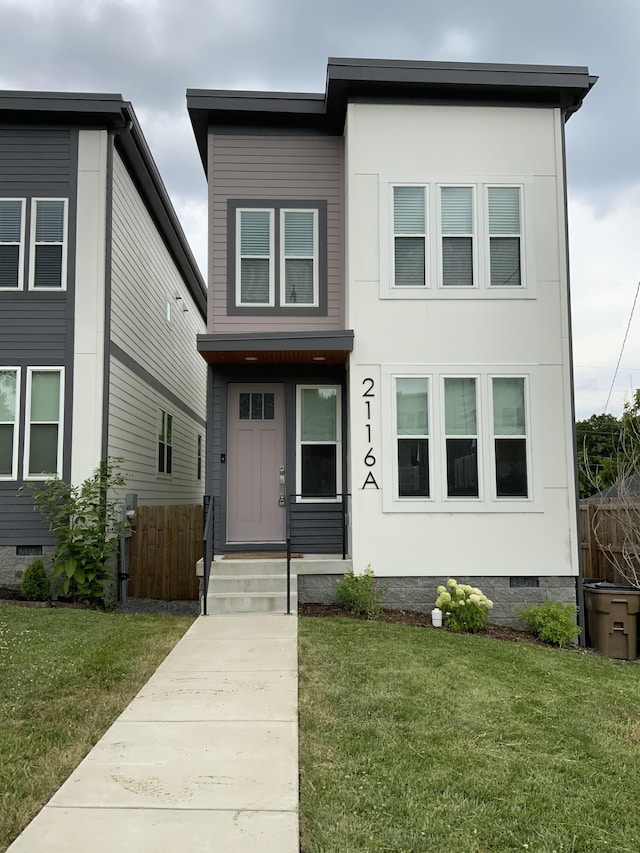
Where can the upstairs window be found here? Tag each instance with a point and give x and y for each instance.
(299, 262)
(9, 407)
(48, 244)
(43, 441)
(457, 230)
(255, 269)
(504, 236)
(11, 242)
(409, 236)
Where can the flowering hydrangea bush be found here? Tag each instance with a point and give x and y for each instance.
(465, 608)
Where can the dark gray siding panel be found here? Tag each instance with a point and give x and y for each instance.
(33, 328)
(35, 161)
(21, 525)
(317, 528)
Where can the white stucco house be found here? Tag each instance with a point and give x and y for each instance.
(388, 333)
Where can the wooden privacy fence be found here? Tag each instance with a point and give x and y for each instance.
(595, 563)
(163, 550)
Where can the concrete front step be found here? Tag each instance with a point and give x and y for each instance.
(229, 568)
(250, 602)
(239, 584)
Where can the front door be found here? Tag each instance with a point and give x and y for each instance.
(255, 463)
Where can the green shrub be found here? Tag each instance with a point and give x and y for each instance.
(464, 607)
(552, 622)
(361, 594)
(35, 585)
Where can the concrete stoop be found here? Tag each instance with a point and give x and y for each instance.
(260, 585)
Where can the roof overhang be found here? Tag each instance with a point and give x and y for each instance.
(273, 348)
(382, 80)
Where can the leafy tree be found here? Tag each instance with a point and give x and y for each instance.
(87, 527)
(598, 444)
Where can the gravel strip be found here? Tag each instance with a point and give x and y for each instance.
(153, 605)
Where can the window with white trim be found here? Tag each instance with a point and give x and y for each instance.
(457, 235)
(461, 436)
(9, 411)
(510, 436)
(199, 458)
(409, 236)
(11, 242)
(165, 442)
(255, 263)
(48, 261)
(448, 240)
(504, 236)
(319, 442)
(43, 438)
(457, 441)
(412, 436)
(299, 257)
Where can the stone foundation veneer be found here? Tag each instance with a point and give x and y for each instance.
(419, 593)
(12, 566)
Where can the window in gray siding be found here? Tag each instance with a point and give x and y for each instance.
(11, 242)
(409, 236)
(43, 444)
(299, 260)
(48, 244)
(319, 442)
(9, 408)
(504, 236)
(165, 442)
(199, 465)
(255, 263)
(457, 229)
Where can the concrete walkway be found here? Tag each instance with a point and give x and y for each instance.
(205, 758)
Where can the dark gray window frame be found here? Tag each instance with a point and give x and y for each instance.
(277, 310)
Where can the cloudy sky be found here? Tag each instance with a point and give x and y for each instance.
(151, 51)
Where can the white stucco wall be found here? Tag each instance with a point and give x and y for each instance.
(439, 332)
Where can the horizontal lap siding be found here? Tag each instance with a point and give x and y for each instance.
(271, 168)
(34, 162)
(144, 278)
(133, 436)
(317, 528)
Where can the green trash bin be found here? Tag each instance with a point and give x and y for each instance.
(612, 619)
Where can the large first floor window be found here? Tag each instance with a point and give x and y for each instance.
(319, 442)
(9, 409)
(459, 439)
(43, 423)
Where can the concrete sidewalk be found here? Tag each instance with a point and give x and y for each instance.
(205, 758)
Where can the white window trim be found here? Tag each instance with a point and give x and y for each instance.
(482, 288)
(27, 424)
(338, 444)
(475, 241)
(526, 437)
(438, 502)
(21, 245)
(164, 474)
(64, 244)
(390, 237)
(16, 425)
(396, 437)
(478, 437)
(524, 273)
(239, 256)
(314, 257)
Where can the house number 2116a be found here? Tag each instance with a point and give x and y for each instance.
(369, 457)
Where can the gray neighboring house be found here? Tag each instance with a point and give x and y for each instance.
(101, 301)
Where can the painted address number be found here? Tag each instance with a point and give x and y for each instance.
(369, 457)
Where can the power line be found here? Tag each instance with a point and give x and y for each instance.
(633, 308)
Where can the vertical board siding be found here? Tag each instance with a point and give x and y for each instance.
(144, 278)
(275, 167)
(133, 436)
(163, 551)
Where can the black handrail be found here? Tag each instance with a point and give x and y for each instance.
(344, 498)
(207, 545)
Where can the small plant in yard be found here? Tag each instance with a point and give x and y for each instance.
(87, 528)
(361, 594)
(465, 608)
(552, 622)
(35, 585)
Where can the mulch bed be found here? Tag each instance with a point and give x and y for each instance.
(419, 620)
(12, 596)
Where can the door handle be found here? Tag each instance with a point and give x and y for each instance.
(281, 499)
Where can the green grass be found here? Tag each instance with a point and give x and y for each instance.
(65, 675)
(421, 740)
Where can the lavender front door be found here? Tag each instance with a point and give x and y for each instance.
(255, 463)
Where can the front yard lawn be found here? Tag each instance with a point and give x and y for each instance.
(65, 675)
(415, 739)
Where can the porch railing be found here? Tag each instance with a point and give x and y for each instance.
(207, 546)
(293, 544)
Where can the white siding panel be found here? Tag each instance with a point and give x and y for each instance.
(144, 280)
(133, 424)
